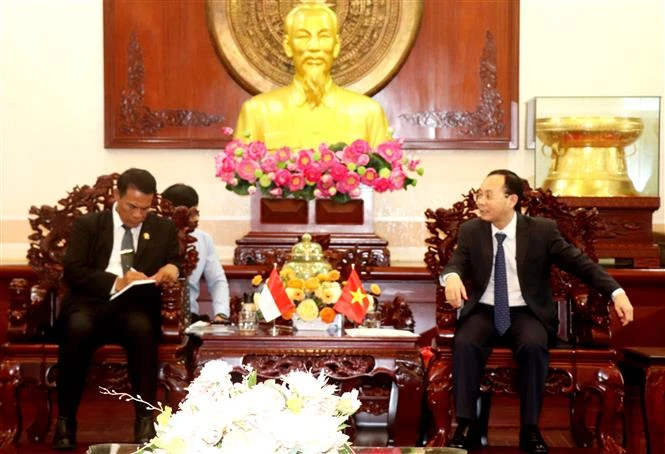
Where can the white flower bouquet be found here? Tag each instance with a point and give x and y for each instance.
(298, 414)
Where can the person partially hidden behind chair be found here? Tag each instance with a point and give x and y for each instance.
(507, 257)
(312, 109)
(90, 317)
(208, 265)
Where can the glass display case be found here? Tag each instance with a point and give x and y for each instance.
(595, 146)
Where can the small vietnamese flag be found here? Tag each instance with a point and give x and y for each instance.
(273, 300)
(353, 302)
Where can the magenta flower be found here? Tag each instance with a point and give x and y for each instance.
(313, 173)
(256, 150)
(397, 178)
(369, 176)
(338, 171)
(381, 184)
(304, 159)
(391, 151)
(327, 158)
(283, 172)
(224, 163)
(269, 163)
(227, 131)
(297, 182)
(233, 145)
(413, 164)
(283, 154)
(247, 169)
(282, 177)
(349, 183)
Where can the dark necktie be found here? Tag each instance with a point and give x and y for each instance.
(127, 249)
(501, 308)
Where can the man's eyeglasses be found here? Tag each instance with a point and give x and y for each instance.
(489, 195)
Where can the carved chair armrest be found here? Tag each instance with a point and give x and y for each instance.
(175, 311)
(591, 319)
(31, 311)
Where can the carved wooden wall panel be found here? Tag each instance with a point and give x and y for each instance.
(165, 86)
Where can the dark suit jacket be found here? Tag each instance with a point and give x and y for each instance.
(539, 245)
(89, 250)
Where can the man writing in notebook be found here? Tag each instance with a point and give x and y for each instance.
(95, 269)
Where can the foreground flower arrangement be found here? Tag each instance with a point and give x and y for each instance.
(299, 414)
(331, 172)
(315, 297)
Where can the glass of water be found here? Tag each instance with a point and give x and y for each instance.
(247, 321)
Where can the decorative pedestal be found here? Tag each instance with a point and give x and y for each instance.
(628, 227)
(277, 224)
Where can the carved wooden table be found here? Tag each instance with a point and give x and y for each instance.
(645, 367)
(387, 371)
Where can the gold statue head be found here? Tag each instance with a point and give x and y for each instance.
(311, 40)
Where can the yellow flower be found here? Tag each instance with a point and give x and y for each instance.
(295, 283)
(375, 289)
(287, 274)
(333, 275)
(307, 310)
(294, 404)
(312, 283)
(295, 294)
(172, 446)
(164, 417)
(256, 280)
(322, 277)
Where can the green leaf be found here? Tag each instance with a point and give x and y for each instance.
(251, 379)
(339, 146)
(241, 188)
(341, 198)
(377, 162)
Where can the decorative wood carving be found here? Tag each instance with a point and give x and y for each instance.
(504, 380)
(436, 76)
(334, 365)
(625, 228)
(138, 119)
(487, 120)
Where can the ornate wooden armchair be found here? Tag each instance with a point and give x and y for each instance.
(582, 367)
(29, 357)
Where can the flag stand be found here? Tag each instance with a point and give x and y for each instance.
(274, 330)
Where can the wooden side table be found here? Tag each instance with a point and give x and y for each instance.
(645, 367)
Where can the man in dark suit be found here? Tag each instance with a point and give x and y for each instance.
(106, 252)
(507, 257)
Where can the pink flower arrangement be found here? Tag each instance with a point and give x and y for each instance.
(331, 172)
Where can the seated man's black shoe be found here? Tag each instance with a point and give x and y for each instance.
(466, 436)
(531, 441)
(144, 429)
(64, 435)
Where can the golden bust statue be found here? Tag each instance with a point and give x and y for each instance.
(312, 109)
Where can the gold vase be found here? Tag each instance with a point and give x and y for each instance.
(587, 154)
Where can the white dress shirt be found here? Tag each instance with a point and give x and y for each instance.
(114, 265)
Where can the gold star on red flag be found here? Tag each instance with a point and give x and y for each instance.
(358, 296)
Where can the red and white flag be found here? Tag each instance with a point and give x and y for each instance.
(353, 302)
(273, 300)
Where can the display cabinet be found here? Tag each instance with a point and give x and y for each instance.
(603, 152)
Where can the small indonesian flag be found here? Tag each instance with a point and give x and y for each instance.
(273, 300)
(354, 302)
